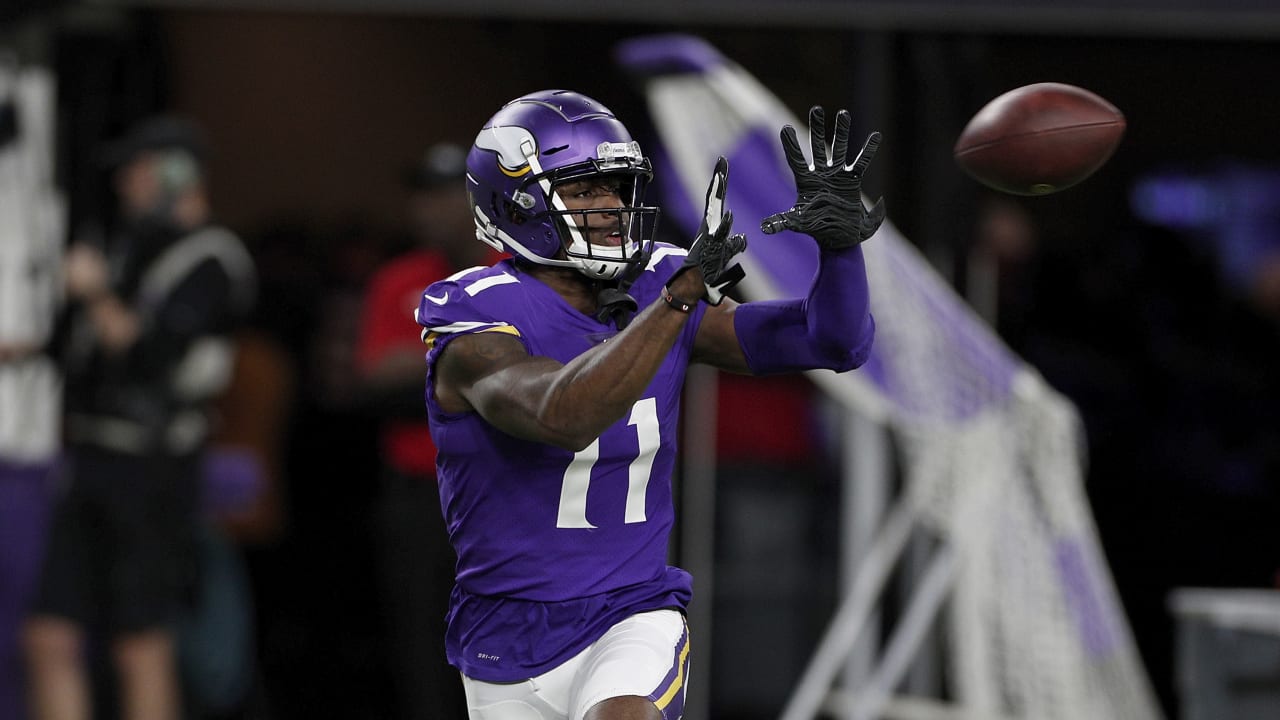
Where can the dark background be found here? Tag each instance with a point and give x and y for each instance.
(313, 114)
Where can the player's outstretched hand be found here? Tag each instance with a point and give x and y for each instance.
(714, 247)
(829, 194)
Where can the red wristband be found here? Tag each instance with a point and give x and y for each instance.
(675, 303)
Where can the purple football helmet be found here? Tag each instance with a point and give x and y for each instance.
(538, 141)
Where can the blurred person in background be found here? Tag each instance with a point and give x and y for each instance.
(553, 392)
(32, 223)
(775, 479)
(147, 348)
(415, 561)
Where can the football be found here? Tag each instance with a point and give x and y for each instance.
(1039, 139)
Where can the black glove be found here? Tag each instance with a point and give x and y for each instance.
(713, 247)
(829, 197)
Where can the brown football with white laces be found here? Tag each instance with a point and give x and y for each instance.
(1039, 139)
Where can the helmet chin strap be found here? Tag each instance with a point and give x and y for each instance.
(557, 203)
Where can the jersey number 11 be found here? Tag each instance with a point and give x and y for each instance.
(577, 477)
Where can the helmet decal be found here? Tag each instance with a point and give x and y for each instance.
(512, 146)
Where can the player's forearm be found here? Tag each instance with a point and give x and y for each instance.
(838, 307)
(831, 328)
(597, 388)
(563, 404)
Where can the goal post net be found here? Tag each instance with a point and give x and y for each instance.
(991, 457)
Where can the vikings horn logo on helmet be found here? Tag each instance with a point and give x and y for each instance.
(513, 147)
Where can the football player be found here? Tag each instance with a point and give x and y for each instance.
(553, 392)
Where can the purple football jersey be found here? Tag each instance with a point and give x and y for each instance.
(553, 546)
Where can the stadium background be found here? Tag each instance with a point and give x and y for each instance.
(312, 114)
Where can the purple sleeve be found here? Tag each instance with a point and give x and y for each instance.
(831, 328)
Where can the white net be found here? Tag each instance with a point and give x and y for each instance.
(992, 458)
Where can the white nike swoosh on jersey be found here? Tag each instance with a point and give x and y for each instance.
(437, 300)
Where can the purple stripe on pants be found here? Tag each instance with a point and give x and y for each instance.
(669, 695)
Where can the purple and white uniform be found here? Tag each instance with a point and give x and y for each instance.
(554, 547)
